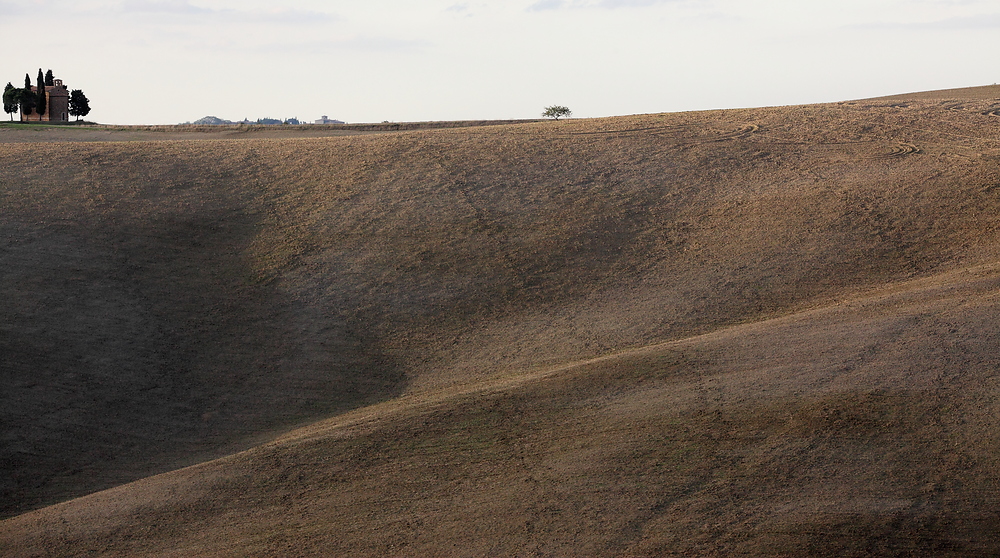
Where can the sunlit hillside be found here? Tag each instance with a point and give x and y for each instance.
(744, 332)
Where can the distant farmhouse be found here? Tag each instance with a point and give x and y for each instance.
(326, 120)
(56, 104)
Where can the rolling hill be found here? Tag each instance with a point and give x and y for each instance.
(740, 332)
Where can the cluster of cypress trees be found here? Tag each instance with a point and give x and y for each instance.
(34, 102)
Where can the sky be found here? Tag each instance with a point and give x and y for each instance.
(173, 61)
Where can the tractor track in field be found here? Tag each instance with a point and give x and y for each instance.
(992, 111)
(898, 151)
(682, 134)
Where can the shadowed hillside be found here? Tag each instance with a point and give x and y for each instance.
(813, 286)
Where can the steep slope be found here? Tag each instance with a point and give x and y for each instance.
(861, 429)
(176, 301)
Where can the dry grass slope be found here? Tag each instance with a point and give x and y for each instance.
(778, 323)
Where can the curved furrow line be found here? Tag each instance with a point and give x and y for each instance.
(656, 130)
(741, 133)
(898, 151)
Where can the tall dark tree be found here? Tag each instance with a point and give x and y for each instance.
(26, 99)
(40, 104)
(50, 79)
(79, 104)
(10, 104)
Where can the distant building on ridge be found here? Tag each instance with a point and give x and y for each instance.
(56, 104)
(326, 120)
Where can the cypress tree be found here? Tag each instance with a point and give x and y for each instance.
(50, 79)
(40, 103)
(26, 100)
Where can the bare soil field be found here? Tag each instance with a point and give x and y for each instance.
(981, 93)
(16, 132)
(759, 332)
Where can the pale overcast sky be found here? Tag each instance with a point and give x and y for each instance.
(171, 61)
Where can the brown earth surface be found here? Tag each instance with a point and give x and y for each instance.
(16, 132)
(981, 93)
(760, 332)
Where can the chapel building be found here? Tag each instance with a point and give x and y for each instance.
(56, 104)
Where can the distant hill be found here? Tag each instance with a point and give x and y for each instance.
(754, 332)
(216, 121)
(211, 121)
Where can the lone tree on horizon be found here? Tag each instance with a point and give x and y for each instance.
(557, 111)
(79, 104)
